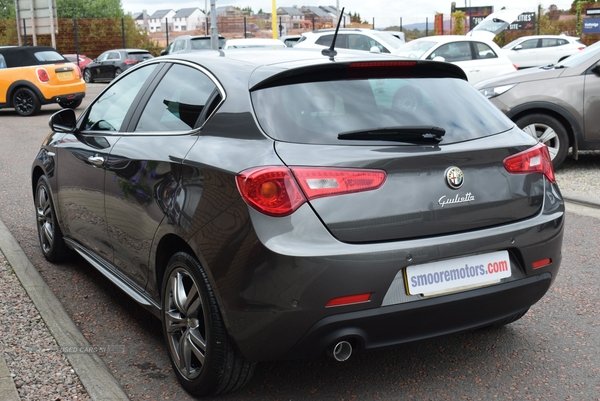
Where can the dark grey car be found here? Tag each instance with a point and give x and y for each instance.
(281, 204)
(112, 63)
(557, 104)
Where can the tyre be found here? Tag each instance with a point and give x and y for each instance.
(549, 131)
(87, 76)
(26, 102)
(71, 104)
(203, 356)
(50, 236)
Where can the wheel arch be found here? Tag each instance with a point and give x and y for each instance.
(571, 125)
(23, 84)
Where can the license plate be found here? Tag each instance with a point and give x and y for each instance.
(457, 274)
(64, 75)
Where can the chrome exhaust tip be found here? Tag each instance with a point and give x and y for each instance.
(341, 351)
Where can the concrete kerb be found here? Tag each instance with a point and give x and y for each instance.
(7, 385)
(95, 376)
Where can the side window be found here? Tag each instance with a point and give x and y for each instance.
(484, 51)
(551, 42)
(178, 100)
(529, 44)
(325, 40)
(451, 52)
(114, 56)
(109, 116)
(2, 62)
(103, 57)
(360, 42)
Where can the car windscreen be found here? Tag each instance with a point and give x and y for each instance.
(317, 112)
(48, 56)
(139, 56)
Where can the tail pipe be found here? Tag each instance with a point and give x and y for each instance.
(341, 351)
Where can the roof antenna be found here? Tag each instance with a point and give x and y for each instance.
(331, 51)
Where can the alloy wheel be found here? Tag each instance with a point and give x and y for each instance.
(185, 323)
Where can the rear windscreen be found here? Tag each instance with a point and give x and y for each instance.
(316, 112)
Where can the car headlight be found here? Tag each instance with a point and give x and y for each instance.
(495, 90)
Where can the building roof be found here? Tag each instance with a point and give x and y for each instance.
(161, 14)
(316, 11)
(290, 11)
(186, 12)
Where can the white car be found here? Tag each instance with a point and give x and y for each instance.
(254, 43)
(541, 50)
(478, 57)
(351, 38)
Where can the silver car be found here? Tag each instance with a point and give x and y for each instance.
(556, 104)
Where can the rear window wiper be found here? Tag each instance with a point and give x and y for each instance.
(412, 134)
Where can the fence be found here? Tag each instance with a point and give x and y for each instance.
(92, 36)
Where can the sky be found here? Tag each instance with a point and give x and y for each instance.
(384, 12)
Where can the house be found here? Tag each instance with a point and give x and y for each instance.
(319, 16)
(158, 20)
(141, 20)
(189, 19)
(291, 18)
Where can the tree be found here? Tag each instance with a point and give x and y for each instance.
(459, 22)
(7, 8)
(88, 9)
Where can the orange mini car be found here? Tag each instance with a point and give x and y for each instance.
(32, 76)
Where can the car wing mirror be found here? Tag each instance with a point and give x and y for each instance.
(163, 52)
(63, 121)
(439, 58)
(375, 50)
(517, 47)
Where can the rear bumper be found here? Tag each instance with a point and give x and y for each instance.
(423, 319)
(69, 97)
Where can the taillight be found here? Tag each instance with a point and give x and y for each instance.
(581, 48)
(320, 182)
(280, 191)
(78, 71)
(43, 75)
(130, 61)
(534, 160)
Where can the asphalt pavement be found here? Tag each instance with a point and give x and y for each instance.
(95, 376)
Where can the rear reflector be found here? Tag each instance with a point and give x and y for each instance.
(349, 300)
(280, 191)
(533, 160)
(541, 263)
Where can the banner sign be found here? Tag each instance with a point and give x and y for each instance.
(591, 25)
(525, 22)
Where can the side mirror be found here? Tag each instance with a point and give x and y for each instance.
(375, 50)
(163, 52)
(63, 121)
(518, 47)
(439, 58)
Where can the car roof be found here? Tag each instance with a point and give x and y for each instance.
(244, 64)
(17, 56)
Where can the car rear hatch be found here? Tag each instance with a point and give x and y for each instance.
(494, 23)
(376, 119)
